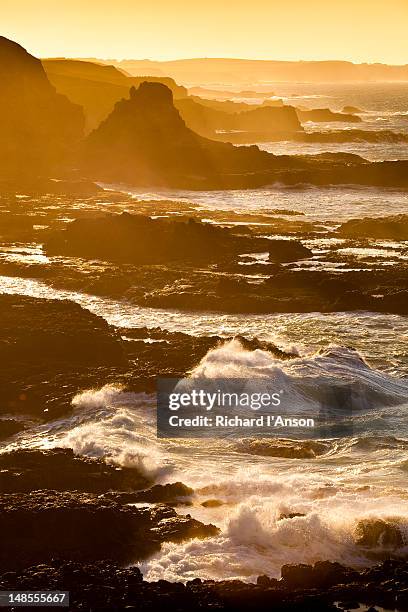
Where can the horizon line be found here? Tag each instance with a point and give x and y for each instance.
(237, 59)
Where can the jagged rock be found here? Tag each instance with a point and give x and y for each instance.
(290, 449)
(97, 87)
(297, 576)
(106, 586)
(323, 575)
(144, 141)
(288, 250)
(209, 121)
(178, 528)
(290, 515)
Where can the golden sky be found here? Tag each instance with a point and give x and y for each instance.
(356, 30)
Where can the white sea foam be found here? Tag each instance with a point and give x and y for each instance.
(255, 540)
(350, 483)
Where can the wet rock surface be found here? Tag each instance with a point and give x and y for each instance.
(393, 228)
(61, 470)
(379, 533)
(129, 238)
(255, 270)
(326, 586)
(289, 449)
(9, 427)
(44, 524)
(239, 262)
(51, 350)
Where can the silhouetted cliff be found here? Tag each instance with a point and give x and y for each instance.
(97, 87)
(37, 125)
(145, 141)
(208, 121)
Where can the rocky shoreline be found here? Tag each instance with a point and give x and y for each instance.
(82, 525)
(324, 587)
(222, 261)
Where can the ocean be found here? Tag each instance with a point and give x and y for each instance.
(332, 489)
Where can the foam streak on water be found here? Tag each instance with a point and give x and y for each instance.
(330, 203)
(305, 333)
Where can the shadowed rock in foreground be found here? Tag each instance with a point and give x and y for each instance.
(324, 587)
(50, 350)
(43, 525)
(59, 469)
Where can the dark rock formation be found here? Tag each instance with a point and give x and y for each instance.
(97, 87)
(267, 120)
(288, 290)
(392, 228)
(50, 350)
(8, 428)
(287, 250)
(42, 186)
(382, 533)
(37, 125)
(322, 575)
(290, 449)
(64, 333)
(43, 525)
(351, 135)
(140, 239)
(144, 141)
(332, 136)
(172, 494)
(325, 115)
(106, 586)
(61, 470)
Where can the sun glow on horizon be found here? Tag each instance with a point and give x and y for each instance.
(366, 31)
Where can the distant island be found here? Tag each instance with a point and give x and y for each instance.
(209, 71)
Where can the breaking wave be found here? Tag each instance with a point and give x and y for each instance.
(336, 376)
(275, 501)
